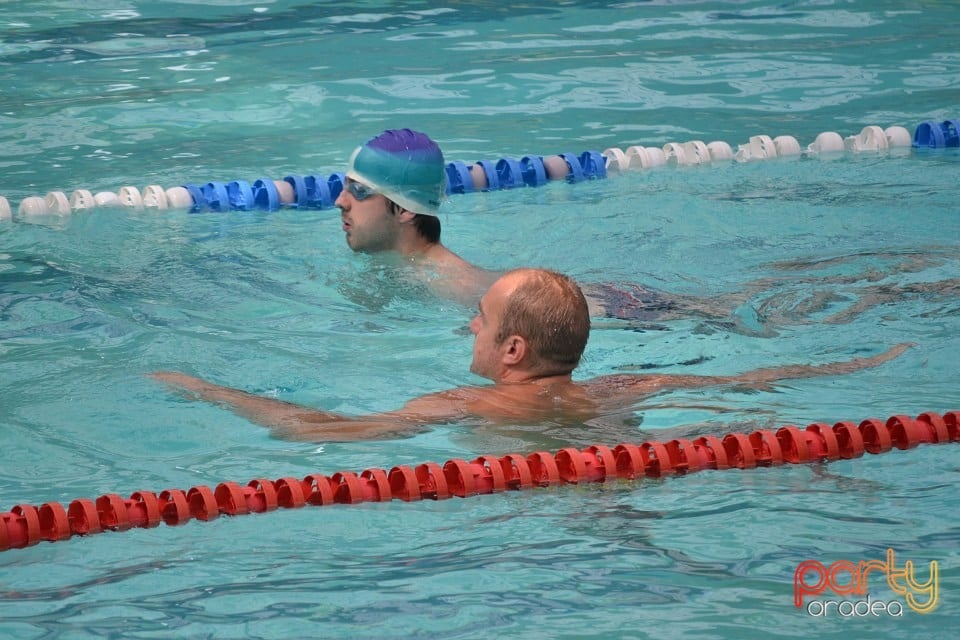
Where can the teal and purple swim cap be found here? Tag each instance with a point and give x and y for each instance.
(405, 166)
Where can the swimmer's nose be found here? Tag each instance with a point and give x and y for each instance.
(475, 325)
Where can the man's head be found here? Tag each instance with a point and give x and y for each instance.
(531, 323)
(395, 182)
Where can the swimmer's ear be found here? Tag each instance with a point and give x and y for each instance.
(404, 216)
(515, 349)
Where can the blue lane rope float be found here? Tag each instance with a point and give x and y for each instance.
(320, 192)
(265, 195)
(299, 191)
(459, 179)
(509, 173)
(937, 135)
(534, 173)
(489, 168)
(240, 194)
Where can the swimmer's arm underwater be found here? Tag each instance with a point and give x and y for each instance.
(634, 385)
(296, 422)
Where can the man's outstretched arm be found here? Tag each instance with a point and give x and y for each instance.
(296, 422)
(648, 384)
(772, 374)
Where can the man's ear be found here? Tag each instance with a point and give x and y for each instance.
(515, 350)
(405, 217)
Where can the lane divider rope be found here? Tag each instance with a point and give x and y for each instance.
(320, 192)
(26, 525)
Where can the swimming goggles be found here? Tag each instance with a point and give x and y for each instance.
(359, 191)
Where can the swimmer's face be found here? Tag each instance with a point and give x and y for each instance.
(368, 218)
(485, 326)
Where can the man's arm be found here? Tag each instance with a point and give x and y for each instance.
(296, 422)
(649, 384)
(772, 374)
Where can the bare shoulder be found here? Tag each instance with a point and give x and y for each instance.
(452, 404)
(457, 278)
(615, 385)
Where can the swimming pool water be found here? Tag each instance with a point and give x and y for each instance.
(99, 96)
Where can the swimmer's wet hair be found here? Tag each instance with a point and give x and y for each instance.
(547, 309)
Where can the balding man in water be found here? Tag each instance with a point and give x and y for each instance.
(529, 333)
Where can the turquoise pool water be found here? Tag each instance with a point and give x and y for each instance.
(135, 93)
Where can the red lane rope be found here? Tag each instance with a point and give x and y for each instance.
(26, 525)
